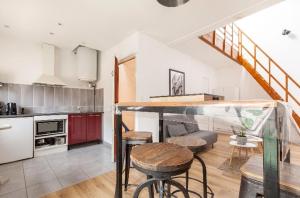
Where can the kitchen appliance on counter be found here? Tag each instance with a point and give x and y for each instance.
(50, 134)
(11, 108)
(2, 108)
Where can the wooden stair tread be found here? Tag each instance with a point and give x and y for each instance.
(161, 157)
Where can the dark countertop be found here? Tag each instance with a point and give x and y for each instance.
(45, 114)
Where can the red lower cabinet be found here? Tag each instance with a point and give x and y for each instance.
(84, 128)
(93, 132)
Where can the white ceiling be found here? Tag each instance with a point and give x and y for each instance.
(103, 23)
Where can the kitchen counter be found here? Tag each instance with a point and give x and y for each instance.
(42, 114)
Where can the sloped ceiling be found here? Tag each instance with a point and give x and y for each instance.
(102, 24)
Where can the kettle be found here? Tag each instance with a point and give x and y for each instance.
(2, 108)
(11, 108)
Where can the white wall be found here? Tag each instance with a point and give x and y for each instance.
(231, 80)
(21, 62)
(125, 48)
(265, 28)
(153, 64)
(154, 59)
(236, 78)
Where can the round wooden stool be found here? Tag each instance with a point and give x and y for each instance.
(193, 144)
(133, 138)
(161, 161)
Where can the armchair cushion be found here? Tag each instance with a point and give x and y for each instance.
(176, 130)
(191, 127)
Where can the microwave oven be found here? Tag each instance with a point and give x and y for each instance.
(49, 127)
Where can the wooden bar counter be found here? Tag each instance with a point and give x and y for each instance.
(201, 108)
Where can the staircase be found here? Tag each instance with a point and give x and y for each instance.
(231, 41)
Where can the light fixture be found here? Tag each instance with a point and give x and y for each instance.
(172, 3)
(51, 33)
(286, 32)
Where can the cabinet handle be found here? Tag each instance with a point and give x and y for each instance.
(5, 126)
(75, 116)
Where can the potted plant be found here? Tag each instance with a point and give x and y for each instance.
(241, 137)
(247, 121)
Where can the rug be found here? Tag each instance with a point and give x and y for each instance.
(232, 169)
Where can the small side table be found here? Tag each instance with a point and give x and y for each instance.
(240, 147)
(253, 139)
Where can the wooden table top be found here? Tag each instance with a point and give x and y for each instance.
(289, 174)
(242, 103)
(137, 135)
(187, 141)
(162, 157)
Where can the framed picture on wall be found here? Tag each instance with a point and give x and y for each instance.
(176, 83)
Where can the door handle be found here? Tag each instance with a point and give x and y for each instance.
(5, 126)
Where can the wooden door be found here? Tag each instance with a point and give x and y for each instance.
(116, 100)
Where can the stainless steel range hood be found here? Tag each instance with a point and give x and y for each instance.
(48, 76)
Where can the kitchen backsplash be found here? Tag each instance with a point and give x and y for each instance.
(45, 99)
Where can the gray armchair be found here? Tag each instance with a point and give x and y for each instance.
(188, 121)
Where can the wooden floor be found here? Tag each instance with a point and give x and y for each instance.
(224, 184)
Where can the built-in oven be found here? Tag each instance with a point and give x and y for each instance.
(50, 133)
(49, 127)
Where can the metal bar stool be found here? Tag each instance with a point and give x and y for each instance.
(160, 162)
(133, 138)
(193, 144)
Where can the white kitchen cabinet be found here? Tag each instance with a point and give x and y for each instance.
(86, 64)
(16, 139)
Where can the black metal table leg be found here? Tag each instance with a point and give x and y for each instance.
(204, 175)
(127, 165)
(119, 166)
(271, 156)
(161, 127)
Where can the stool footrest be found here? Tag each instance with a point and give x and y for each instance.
(197, 180)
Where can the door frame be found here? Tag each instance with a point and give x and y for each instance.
(116, 91)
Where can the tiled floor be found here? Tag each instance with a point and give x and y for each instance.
(36, 177)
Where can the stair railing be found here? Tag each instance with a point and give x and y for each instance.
(234, 43)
